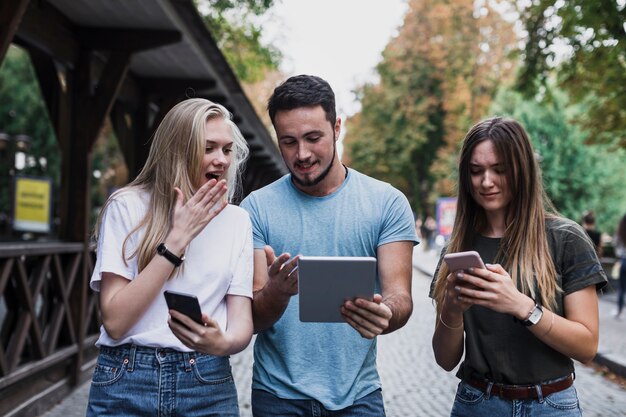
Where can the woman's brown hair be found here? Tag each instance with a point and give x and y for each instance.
(524, 249)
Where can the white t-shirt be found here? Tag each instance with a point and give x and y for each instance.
(218, 262)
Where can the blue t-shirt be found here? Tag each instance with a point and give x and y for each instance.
(328, 362)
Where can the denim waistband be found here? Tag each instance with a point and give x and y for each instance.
(132, 354)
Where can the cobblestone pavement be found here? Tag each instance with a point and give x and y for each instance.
(413, 385)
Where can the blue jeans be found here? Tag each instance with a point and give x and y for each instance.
(265, 404)
(141, 381)
(470, 402)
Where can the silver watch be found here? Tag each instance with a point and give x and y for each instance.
(534, 317)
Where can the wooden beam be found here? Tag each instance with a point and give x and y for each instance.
(125, 134)
(48, 84)
(161, 86)
(126, 39)
(44, 28)
(105, 92)
(11, 13)
(217, 98)
(143, 133)
(76, 153)
(130, 91)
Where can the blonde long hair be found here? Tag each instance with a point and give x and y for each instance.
(175, 160)
(524, 249)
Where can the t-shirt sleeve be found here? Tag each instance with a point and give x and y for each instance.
(398, 223)
(250, 205)
(241, 282)
(115, 226)
(578, 262)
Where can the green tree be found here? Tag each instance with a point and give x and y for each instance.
(23, 111)
(232, 24)
(594, 70)
(436, 78)
(577, 176)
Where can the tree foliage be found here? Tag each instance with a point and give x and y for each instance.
(577, 176)
(594, 34)
(23, 111)
(233, 26)
(437, 77)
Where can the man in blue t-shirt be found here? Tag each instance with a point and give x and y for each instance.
(322, 208)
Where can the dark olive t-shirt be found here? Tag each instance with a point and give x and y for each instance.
(502, 349)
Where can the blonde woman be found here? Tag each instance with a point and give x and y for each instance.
(173, 229)
(521, 320)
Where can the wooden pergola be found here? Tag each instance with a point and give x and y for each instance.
(131, 61)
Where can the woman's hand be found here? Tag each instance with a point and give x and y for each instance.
(492, 288)
(210, 338)
(452, 302)
(190, 218)
(449, 330)
(207, 338)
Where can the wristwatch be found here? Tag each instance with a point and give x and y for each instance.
(534, 316)
(162, 250)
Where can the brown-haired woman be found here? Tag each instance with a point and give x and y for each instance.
(521, 320)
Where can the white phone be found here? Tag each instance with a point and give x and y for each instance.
(463, 260)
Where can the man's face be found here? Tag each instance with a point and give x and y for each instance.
(307, 143)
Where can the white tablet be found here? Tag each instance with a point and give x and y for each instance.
(325, 282)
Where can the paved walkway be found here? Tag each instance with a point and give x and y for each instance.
(413, 384)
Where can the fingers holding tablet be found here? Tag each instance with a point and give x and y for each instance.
(369, 317)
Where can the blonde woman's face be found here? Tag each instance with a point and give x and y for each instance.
(490, 189)
(218, 150)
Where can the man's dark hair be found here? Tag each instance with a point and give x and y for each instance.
(589, 218)
(303, 91)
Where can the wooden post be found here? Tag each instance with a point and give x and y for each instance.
(11, 13)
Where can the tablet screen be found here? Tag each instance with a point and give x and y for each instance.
(325, 282)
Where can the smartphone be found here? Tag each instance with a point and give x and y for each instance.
(463, 260)
(185, 303)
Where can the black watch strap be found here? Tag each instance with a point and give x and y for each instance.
(162, 250)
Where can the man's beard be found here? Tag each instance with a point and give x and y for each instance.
(320, 178)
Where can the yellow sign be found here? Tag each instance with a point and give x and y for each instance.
(32, 204)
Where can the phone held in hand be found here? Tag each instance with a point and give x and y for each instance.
(463, 260)
(186, 304)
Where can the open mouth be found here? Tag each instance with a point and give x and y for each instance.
(212, 176)
(305, 167)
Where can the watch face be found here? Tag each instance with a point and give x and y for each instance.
(535, 316)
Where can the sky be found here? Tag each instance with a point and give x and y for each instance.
(338, 40)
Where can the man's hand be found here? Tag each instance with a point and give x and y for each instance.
(369, 318)
(275, 281)
(282, 273)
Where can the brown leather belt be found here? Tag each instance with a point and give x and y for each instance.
(521, 392)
